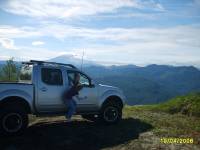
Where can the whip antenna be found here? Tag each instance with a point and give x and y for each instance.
(82, 61)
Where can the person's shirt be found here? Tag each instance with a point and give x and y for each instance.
(72, 91)
(69, 93)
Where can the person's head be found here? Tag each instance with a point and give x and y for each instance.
(76, 78)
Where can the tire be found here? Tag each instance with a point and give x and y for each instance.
(13, 121)
(111, 113)
(90, 117)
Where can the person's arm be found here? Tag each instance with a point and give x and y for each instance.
(77, 97)
(79, 87)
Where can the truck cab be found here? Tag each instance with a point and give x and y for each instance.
(52, 81)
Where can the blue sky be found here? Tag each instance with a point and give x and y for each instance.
(139, 32)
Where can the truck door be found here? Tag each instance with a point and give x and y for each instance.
(87, 95)
(49, 90)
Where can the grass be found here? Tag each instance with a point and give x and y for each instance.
(167, 125)
(178, 117)
(187, 105)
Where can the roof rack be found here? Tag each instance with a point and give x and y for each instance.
(47, 62)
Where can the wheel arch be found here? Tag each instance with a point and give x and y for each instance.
(113, 99)
(15, 101)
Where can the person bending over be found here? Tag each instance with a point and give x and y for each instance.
(69, 94)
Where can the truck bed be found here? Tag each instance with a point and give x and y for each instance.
(24, 90)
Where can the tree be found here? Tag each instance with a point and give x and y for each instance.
(9, 71)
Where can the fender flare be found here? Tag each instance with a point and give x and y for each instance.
(18, 96)
(111, 95)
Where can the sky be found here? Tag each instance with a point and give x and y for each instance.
(139, 32)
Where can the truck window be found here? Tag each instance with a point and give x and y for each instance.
(26, 73)
(83, 79)
(52, 76)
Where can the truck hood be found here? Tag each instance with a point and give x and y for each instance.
(112, 90)
(104, 88)
(107, 87)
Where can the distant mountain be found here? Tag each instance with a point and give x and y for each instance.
(150, 84)
(2, 62)
(71, 59)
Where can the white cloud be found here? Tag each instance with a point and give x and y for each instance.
(178, 45)
(128, 15)
(142, 45)
(145, 53)
(37, 43)
(7, 43)
(72, 8)
(150, 4)
(5, 57)
(28, 53)
(172, 35)
(7, 31)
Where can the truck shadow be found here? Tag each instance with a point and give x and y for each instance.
(76, 135)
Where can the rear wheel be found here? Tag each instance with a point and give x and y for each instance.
(13, 121)
(111, 113)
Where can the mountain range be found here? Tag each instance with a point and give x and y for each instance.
(141, 85)
(150, 84)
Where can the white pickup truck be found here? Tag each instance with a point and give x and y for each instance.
(39, 92)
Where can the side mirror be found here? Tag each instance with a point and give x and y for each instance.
(92, 84)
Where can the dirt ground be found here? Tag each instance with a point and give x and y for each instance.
(56, 133)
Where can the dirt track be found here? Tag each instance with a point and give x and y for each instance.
(56, 133)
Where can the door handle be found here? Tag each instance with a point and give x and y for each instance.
(44, 89)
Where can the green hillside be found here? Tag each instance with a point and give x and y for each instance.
(187, 105)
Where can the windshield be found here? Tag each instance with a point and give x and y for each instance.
(26, 73)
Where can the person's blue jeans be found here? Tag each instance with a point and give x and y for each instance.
(71, 108)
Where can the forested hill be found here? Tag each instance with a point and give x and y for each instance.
(150, 84)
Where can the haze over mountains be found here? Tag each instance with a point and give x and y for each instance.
(141, 85)
(71, 59)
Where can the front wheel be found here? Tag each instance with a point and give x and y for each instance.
(13, 121)
(111, 113)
